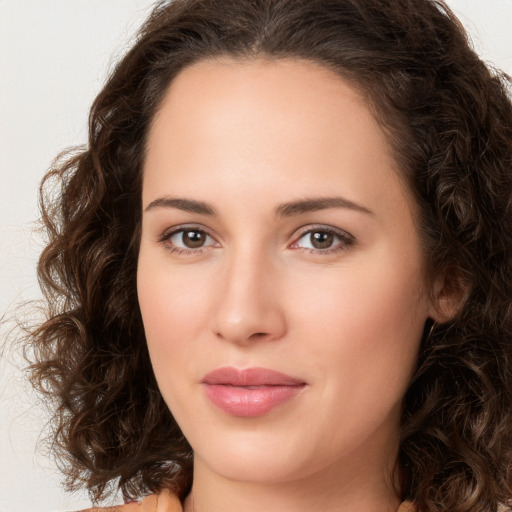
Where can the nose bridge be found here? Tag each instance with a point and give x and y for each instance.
(248, 307)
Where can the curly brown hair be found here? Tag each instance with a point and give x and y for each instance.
(448, 118)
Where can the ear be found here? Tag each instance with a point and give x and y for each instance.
(449, 293)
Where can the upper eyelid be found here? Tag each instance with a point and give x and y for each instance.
(321, 227)
(184, 227)
(303, 229)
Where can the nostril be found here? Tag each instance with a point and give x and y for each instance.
(259, 335)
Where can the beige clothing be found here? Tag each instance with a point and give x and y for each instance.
(161, 502)
(167, 502)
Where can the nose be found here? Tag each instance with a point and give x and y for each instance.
(248, 306)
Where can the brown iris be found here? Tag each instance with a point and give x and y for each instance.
(193, 239)
(321, 239)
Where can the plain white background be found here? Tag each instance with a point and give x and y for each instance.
(54, 57)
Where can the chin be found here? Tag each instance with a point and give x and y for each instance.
(257, 457)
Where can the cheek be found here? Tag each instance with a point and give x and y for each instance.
(373, 294)
(173, 310)
(365, 323)
(361, 334)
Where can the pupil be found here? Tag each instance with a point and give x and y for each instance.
(321, 239)
(193, 239)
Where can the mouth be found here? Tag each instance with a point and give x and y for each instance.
(250, 392)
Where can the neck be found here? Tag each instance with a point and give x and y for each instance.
(330, 490)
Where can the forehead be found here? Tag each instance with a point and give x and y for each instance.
(293, 122)
(271, 92)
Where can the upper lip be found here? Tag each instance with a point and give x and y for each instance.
(230, 376)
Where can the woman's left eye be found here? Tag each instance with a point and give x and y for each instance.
(323, 240)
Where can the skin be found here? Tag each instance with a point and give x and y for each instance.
(246, 137)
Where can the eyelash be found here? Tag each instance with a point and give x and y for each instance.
(345, 240)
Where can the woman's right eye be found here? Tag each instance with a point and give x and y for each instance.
(188, 240)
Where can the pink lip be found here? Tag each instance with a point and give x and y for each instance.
(249, 392)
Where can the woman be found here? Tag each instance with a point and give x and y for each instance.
(279, 277)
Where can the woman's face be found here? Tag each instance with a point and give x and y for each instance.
(280, 278)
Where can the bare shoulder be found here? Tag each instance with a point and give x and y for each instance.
(161, 502)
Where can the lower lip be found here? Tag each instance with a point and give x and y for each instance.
(251, 401)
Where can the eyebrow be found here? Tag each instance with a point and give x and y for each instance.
(289, 209)
(187, 205)
(318, 203)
